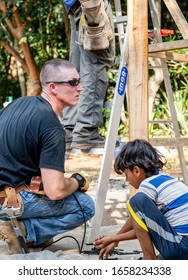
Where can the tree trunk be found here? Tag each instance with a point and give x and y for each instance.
(67, 25)
(24, 54)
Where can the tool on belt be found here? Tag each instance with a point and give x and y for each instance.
(12, 205)
(96, 25)
(12, 213)
(10, 196)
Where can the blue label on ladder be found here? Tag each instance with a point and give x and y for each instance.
(122, 80)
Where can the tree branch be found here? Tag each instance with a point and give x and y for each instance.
(14, 53)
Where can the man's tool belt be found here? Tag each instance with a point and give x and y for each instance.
(96, 25)
(10, 197)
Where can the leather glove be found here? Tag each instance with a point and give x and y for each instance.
(83, 183)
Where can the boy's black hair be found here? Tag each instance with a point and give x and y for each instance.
(142, 154)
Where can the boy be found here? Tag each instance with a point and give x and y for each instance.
(158, 211)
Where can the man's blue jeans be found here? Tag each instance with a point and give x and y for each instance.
(45, 218)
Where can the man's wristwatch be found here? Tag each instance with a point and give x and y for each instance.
(80, 179)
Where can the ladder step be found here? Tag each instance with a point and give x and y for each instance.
(120, 19)
(156, 67)
(160, 121)
(176, 142)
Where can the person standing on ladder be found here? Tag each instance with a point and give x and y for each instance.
(92, 52)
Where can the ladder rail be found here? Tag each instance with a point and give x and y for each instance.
(108, 155)
(120, 25)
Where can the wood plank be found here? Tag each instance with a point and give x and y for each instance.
(179, 141)
(178, 17)
(167, 46)
(170, 56)
(137, 84)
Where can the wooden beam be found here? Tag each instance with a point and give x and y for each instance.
(137, 84)
(178, 141)
(170, 56)
(168, 46)
(178, 17)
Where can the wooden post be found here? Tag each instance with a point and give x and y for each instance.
(158, 7)
(137, 84)
(178, 17)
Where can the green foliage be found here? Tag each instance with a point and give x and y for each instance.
(44, 31)
(9, 86)
(44, 28)
(161, 113)
(179, 82)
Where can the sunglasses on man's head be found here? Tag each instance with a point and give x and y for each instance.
(73, 82)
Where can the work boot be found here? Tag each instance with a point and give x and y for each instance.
(68, 138)
(8, 235)
(89, 143)
(68, 145)
(95, 143)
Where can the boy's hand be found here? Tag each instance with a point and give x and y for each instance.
(106, 245)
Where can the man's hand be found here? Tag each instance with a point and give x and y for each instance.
(83, 183)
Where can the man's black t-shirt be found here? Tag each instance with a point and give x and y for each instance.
(31, 137)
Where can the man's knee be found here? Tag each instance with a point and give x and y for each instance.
(91, 211)
(88, 207)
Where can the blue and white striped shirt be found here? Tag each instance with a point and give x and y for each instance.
(171, 197)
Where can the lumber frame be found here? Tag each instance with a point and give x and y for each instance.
(168, 46)
(170, 56)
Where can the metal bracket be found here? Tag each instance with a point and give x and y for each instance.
(12, 213)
